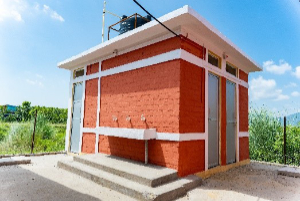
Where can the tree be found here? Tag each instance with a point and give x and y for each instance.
(23, 111)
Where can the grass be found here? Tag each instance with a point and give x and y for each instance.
(15, 138)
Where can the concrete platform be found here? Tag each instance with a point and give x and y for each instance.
(139, 181)
(289, 172)
(14, 161)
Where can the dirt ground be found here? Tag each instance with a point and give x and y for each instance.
(255, 181)
(42, 180)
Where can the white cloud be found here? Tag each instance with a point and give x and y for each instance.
(53, 14)
(297, 72)
(261, 88)
(295, 93)
(39, 76)
(291, 84)
(12, 9)
(15, 9)
(35, 82)
(279, 69)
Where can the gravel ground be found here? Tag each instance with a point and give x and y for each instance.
(251, 182)
(42, 180)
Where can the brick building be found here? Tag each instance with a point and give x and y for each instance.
(179, 102)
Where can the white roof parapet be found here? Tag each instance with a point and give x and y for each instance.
(184, 16)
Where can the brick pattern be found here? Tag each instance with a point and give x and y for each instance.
(122, 147)
(191, 157)
(151, 91)
(192, 98)
(164, 153)
(90, 103)
(193, 48)
(243, 76)
(244, 148)
(223, 121)
(153, 50)
(92, 68)
(243, 108)
(88, 143)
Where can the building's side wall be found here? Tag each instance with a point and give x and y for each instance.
(88, 142)
(223, 121)
(243, 123)
(152, 91)
(244, 148)
(122, 147)
(243, 76)
(90, 103)
(164, 153)
(191, 157)
(92, 68)
(243, 109)
(192, 98)
(192, 115)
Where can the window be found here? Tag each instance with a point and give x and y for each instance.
(231, 69)
(213, 59)
(78, 73)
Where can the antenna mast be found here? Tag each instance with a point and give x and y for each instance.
(103, 18)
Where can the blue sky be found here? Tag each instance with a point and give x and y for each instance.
(36, 35)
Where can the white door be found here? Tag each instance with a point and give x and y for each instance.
(213, 120)
(76, 117)
(231, 122)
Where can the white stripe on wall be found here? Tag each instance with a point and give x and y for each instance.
(145, 134)
(243, 134)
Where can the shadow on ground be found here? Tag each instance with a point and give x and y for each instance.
(18, 184)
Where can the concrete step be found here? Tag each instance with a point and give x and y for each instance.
(149, 175)
(290, 172)
(14, 161)
(169, 191)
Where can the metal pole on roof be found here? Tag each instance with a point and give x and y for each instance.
(103, 20)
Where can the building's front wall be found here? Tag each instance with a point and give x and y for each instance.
(171, 94)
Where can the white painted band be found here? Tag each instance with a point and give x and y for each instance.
(180, 136)
(168, 56)
(243, 134)
(145, 134)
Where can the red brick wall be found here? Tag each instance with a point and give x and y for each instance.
(88, 142)
(122, 147)
(152, 91)
(243, 75)
(92, 68)
(191, 157)
(243, 108)
(223, 121)
(164, 153)
(153, 50)
(244, 148)
(192, 98)
(185, 157)
(90, 103)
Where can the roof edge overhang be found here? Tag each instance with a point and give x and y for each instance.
(181, 17)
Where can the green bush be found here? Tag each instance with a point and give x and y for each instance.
(4, 128)
(48, 137)
(266, 138)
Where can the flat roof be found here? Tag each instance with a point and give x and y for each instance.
(182, 17)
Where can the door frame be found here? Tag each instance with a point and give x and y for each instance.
(236, 118)
(71, 117)
(219, 116)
